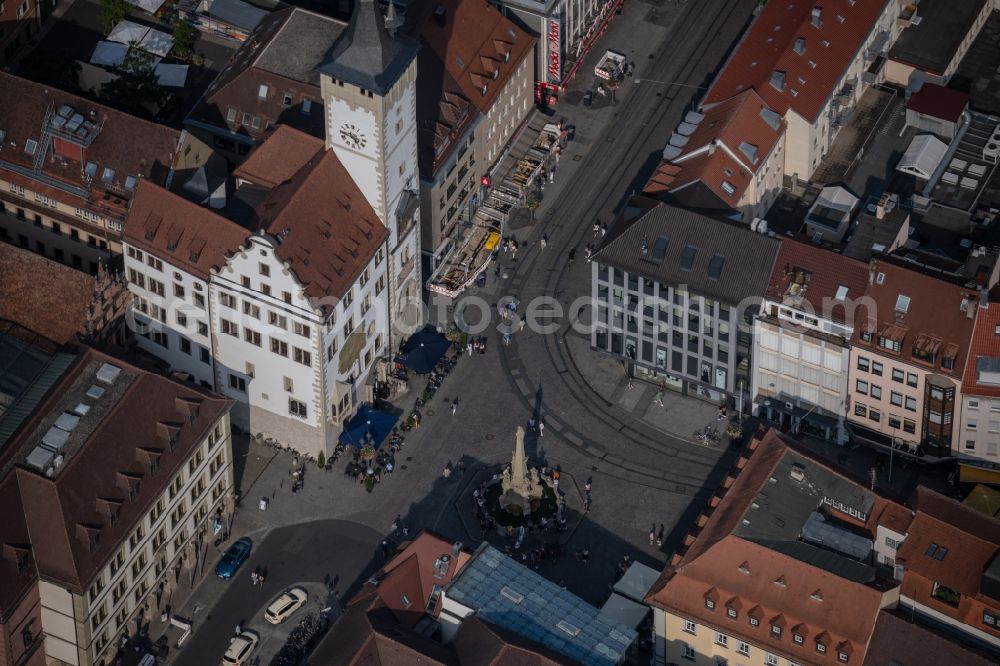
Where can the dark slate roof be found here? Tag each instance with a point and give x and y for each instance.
(366, 55)
(747, 256)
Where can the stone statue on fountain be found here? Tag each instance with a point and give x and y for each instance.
(519, 483)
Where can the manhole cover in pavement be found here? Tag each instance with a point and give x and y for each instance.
(577, 158)
(489, 437)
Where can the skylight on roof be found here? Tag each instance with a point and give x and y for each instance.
(728, 188)
(91, 170)
(30, 146)
(841, 293)
(131, 182)
(570, 629)
(660, 248)
(715, 266)
(108, 175)
(902, 303)
(778, 80)
(750, 151)
(687, 257)
(931, 549)
(262, 91)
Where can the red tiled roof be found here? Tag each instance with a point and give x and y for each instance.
(847, 611)
(934, 312)
(662, 179)
(972, 540)
(939, 102)
(44, 296)
(985, 343)
(128, 145)
(737, 121)
(828, 271)
(730, 569)
(279, 157)
(469, 46)
(769, 46)
(713, 168)
(60, 509)
(201, 238)
(328, 231)
(412, 572)
(891, 515)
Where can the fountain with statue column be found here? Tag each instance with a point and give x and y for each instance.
(519, 495)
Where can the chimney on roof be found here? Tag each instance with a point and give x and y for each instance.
(800, 45)
(817, 16)
(456, 548)
(441, 15)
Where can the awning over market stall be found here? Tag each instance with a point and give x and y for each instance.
(636, 582)
(109, 54)
(368, 426)
(172, 75)
(424, 349)
(150, 6)
(157, 42)
(127, 32)
(621, 610)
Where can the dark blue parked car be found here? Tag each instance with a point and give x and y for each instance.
(234, 556)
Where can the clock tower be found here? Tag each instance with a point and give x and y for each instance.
(369, 95)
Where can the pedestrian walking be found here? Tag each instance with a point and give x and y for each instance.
(597, 228)
(555, 480)
(604, 228)
(520, 326)
(506, 339)
(587, 485)
(263, 576)
(572, 255)
(659, 537)
(454, 405)
(658, 398)
(652, 534)
(544, 241)
(541, 427)
(239, 628)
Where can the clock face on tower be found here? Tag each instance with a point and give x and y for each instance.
(352, 136)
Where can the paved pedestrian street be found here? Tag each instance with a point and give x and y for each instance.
(645, 468)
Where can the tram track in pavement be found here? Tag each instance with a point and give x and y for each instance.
(588, 202)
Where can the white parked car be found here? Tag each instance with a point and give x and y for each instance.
(240, 649)
(286, 604)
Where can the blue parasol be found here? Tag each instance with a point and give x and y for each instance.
(368, 426)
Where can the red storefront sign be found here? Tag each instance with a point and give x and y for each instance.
(555, 51)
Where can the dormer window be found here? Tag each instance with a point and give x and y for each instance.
(483, 90)
(798, 638)
(776, 631)
(732, 612)
(709, 604)
(843, 657)
(754, 622)
(506, 56)
(820, 647)
(496, 74)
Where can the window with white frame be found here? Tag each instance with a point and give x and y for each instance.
(690, 627)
